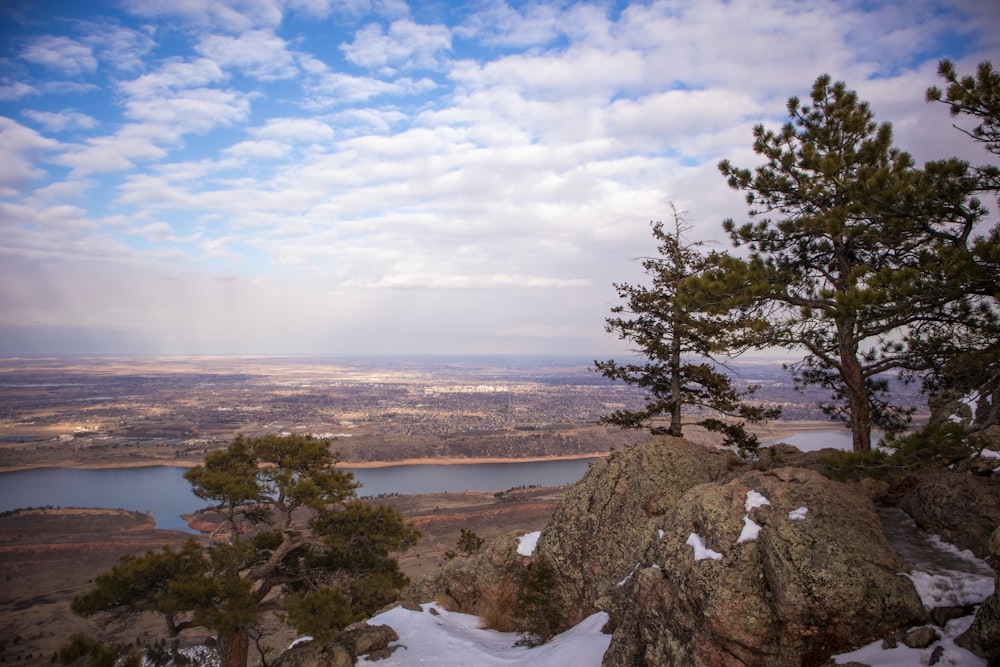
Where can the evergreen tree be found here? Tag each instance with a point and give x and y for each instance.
(681, 329)
(854, 222)
(292, 538)
(960, 342)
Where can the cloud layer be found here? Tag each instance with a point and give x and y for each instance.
(370, 176)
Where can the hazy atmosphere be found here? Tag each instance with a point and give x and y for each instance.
(309, 176)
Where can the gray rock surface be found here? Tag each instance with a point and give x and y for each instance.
(352, 642)
(485, 584)
(605, 522)
(983, 638)
(799, 592)
(963, 509)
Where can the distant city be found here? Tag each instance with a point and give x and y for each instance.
(110, 410)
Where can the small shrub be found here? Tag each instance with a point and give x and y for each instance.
(845, 466)
(469, 543)
(537, 611)
(935, 445)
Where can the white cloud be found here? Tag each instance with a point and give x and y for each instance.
(499, 24)
(61, 120)
(15, 90)
(259, 53)
(59, 53)
(123, 48)
(231, 15)
(294, 130)
(173, 75)
(406, 45)
(18, 146)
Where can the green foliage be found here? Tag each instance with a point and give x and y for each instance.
(934, 446)
(856, 226)
(977, 96)
(960, 344)
(292, 532)
(85, 651)
(688, 317)
(937, 445)
(851, 466)
(536, 610)
(319, 613)
(469, 543)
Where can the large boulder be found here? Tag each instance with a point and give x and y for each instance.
(354, 641)
(734, 583)
(963, 509)
(983, 637)
(603, 524)
(485, 584)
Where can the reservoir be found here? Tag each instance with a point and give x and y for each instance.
(164, 493)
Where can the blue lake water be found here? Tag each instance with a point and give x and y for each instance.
(811, 441)
(165, 493)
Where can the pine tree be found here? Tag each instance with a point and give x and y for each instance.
(292, 539)
(682, 327)
(853, 224)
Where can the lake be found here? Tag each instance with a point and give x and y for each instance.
(164, 493)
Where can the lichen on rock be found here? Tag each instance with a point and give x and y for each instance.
(803, 590)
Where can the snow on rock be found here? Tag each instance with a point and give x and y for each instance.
(989, 454)
(300, 640)
(750, 531)
(701, 552)
(956, 589)
(755, 499)
(526, 545)
(451, 639)
(798, 514)
(628, 576)
(903, 656)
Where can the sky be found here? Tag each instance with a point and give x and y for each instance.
(383, 177)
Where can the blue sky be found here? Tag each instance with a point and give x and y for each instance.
(310, 176)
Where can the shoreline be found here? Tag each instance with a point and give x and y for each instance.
(772, 431)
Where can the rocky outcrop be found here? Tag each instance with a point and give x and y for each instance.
(360, 639)
(963, 509)
(602, 525)
(485, 584)
(983, 638)
(730, 582)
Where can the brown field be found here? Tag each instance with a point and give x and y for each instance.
(48, 556)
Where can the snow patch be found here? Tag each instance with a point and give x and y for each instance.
(903, 656)
(701, 552)
(798, 514)
(526, 545)
(659, 534)
(953, 589)
(750, 531)
(451, 639)
(628, 576)
(989, 454)
(755, 499)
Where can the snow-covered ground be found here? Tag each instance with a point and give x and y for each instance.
(449, 639)
(944, 576)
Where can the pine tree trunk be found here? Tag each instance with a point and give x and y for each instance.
(234, 646)
(676, 425)
(857, 395)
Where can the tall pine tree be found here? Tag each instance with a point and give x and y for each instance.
(841, 221)
(681, 332)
